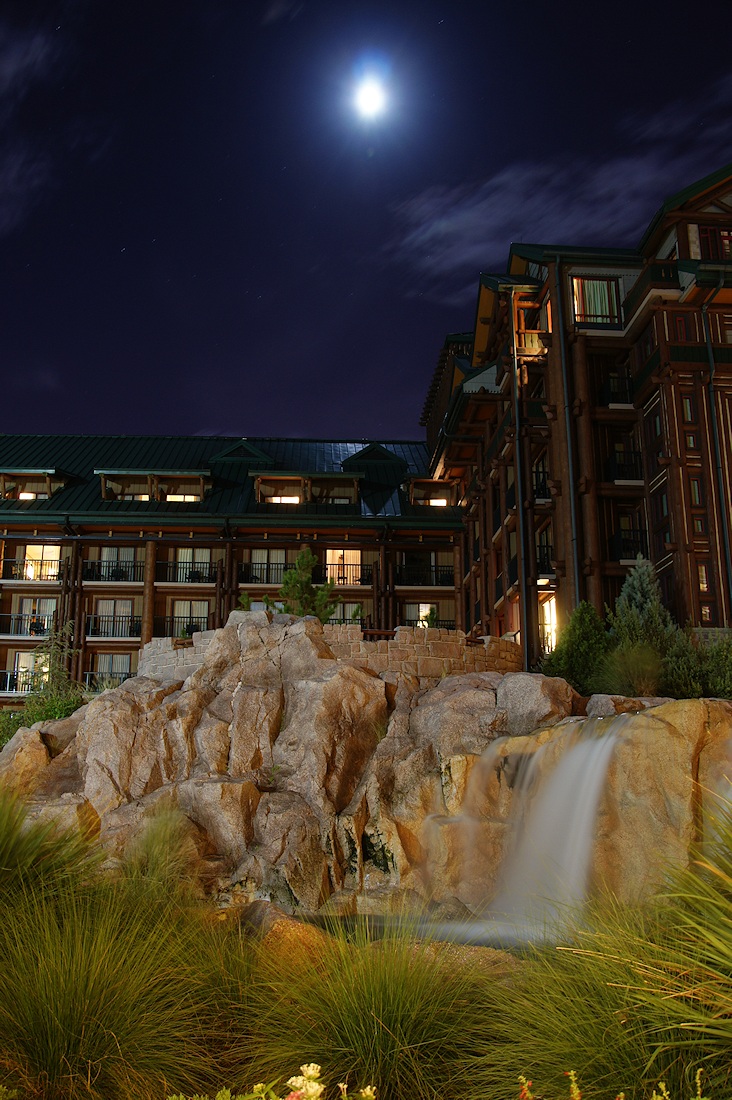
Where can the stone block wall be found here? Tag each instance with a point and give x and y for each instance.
(422, 651)
(416, 651)
(170, 659)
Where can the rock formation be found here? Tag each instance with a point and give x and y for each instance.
(311, 782)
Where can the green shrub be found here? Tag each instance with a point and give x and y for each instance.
(631, 668)
(581, 647)
(717, 669)
(683, 668)
(395, 1014)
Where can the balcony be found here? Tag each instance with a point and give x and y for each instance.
(113, 626)
(498, 588)
(26, 626)
(540, 485)
(261, 573)
(113, 571)
(544, 555)
(627, 545)
(531, 341)
(177, 572)
(425, 576)
(349, 573)
(30, 569)
(627, 466)
(16, 683)
(179, 626)
(512, 572)
(657, 276)
(616, 390)
(101, 681)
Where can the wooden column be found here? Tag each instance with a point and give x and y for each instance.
(590, 518)
(148, 593)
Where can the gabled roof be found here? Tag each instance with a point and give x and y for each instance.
(686, 196)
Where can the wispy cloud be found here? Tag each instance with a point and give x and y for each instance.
(445, 235)
(277, 10)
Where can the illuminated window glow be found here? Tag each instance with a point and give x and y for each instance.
(283, 500)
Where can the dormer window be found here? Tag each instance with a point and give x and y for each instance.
(279, 490)
(159, 485)
(433, 494)
(30, 484)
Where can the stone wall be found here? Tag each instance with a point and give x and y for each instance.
(417, 651)
(423, 651)
(173, 658)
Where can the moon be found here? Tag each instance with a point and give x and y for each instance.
(370, 98)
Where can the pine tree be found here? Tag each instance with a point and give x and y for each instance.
(639, 617)
(581, 648)
(299, 596)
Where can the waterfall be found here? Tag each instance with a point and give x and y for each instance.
(545, 871)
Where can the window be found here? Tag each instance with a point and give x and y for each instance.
(596, 301)
(700, 525)
(420, 614)
(688, 409)
(113, 619)
(193, 564)
(696, 492)
(435, 494)
(42, 563)
(189, 616)
(279, 490)
(682, 327)
(111, 669)
(36, 616)
(267, 566)
(31, 669)
(343, 566)
(703, 575)
(715, 242)
(692, 441)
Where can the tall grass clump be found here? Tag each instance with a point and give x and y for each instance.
(394, 1014)
(111, 991)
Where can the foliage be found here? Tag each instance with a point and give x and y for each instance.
(115, 988)
(299, 596)
(639, 616)
(54, 694)
(305, 1086)
(631, 668)
(394, 1013)
(683, 668)
(717, 669)
(581, 647)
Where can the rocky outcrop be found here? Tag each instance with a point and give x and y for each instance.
(313, 782)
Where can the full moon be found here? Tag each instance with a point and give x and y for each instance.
(370, 98)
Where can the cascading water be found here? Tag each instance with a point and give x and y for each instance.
(544, 875)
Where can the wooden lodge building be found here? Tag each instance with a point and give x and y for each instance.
(585, 418)
(131, 538)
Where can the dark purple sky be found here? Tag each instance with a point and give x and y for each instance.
(199, 235)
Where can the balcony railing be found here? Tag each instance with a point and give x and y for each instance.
(540, 484)
(627, 466)
(657, 276)
(26, 626)
(349, 573)
(616, 390)
(425, 575)
(113, 570)
(100, 681)
(442, 624)
(19, 683)
(531, 340)
(30, 569)
(544, 555)
(262, 573)
(627, 545)
(180, 626)
(178, 572)
(113, 626)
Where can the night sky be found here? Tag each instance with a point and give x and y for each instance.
(200, 235)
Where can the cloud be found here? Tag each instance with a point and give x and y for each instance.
(444, 236)
(29, 58)
(277, 10)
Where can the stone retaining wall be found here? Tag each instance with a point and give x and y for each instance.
(417, 651)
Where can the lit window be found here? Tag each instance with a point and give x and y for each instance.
(180, 497)
(700, 526)
(283, 500)
(715, 242)
(438, 502)
(706, 613)
(695, 485)
(703, 572)
(596, 301)
(42, 563)
(688, 411)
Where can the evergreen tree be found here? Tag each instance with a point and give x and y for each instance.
(581, 648)
(299, 596)
(639, 617)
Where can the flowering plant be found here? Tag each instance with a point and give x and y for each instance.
(304, 1086)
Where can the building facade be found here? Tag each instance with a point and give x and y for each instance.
(133, 538)
(587, 418)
